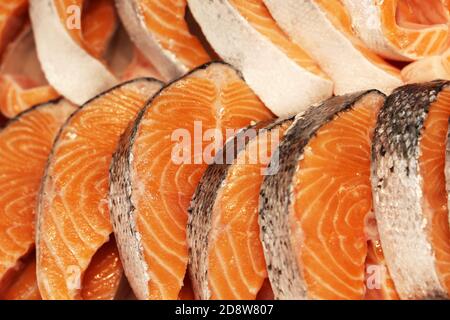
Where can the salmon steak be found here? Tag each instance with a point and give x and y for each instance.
(314, 211)
(338, 45)
(410, 196)
(223, 230)
(25, 144)
(402, 29)
(73, 216)
(160, 31)
(158, 165)
(291, 83)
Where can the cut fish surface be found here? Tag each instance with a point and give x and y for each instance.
(410, 198)
(324, 29)
(314, 210)
(25, 144)
(153, 179)
(159, 30)
(402, 30)
(281, 73)
(68, 64)
(226, 255)
(73, 215)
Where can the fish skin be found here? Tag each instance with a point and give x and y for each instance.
(276, 195)
(120, 201)
(202, 204)
(40, 211)
(397, 191)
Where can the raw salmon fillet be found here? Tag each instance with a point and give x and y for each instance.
(159, 164)
(402, 29)
(160, 31)
(314, 211)
(226, 255)
(410, 195)
(25, 144)
(73, 214)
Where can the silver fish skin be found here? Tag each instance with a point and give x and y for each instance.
(397, 191)
(276, 196)
(202, 204)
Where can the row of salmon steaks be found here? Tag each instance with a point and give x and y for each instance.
(132, 167)
(308, 226)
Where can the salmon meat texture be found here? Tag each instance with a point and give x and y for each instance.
(305, 163)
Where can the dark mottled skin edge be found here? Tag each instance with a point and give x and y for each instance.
(397, 190)
(202, 203)
(123, 211)
(41, 193)
(276, 195)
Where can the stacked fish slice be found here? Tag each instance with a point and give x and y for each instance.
(224, 149)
